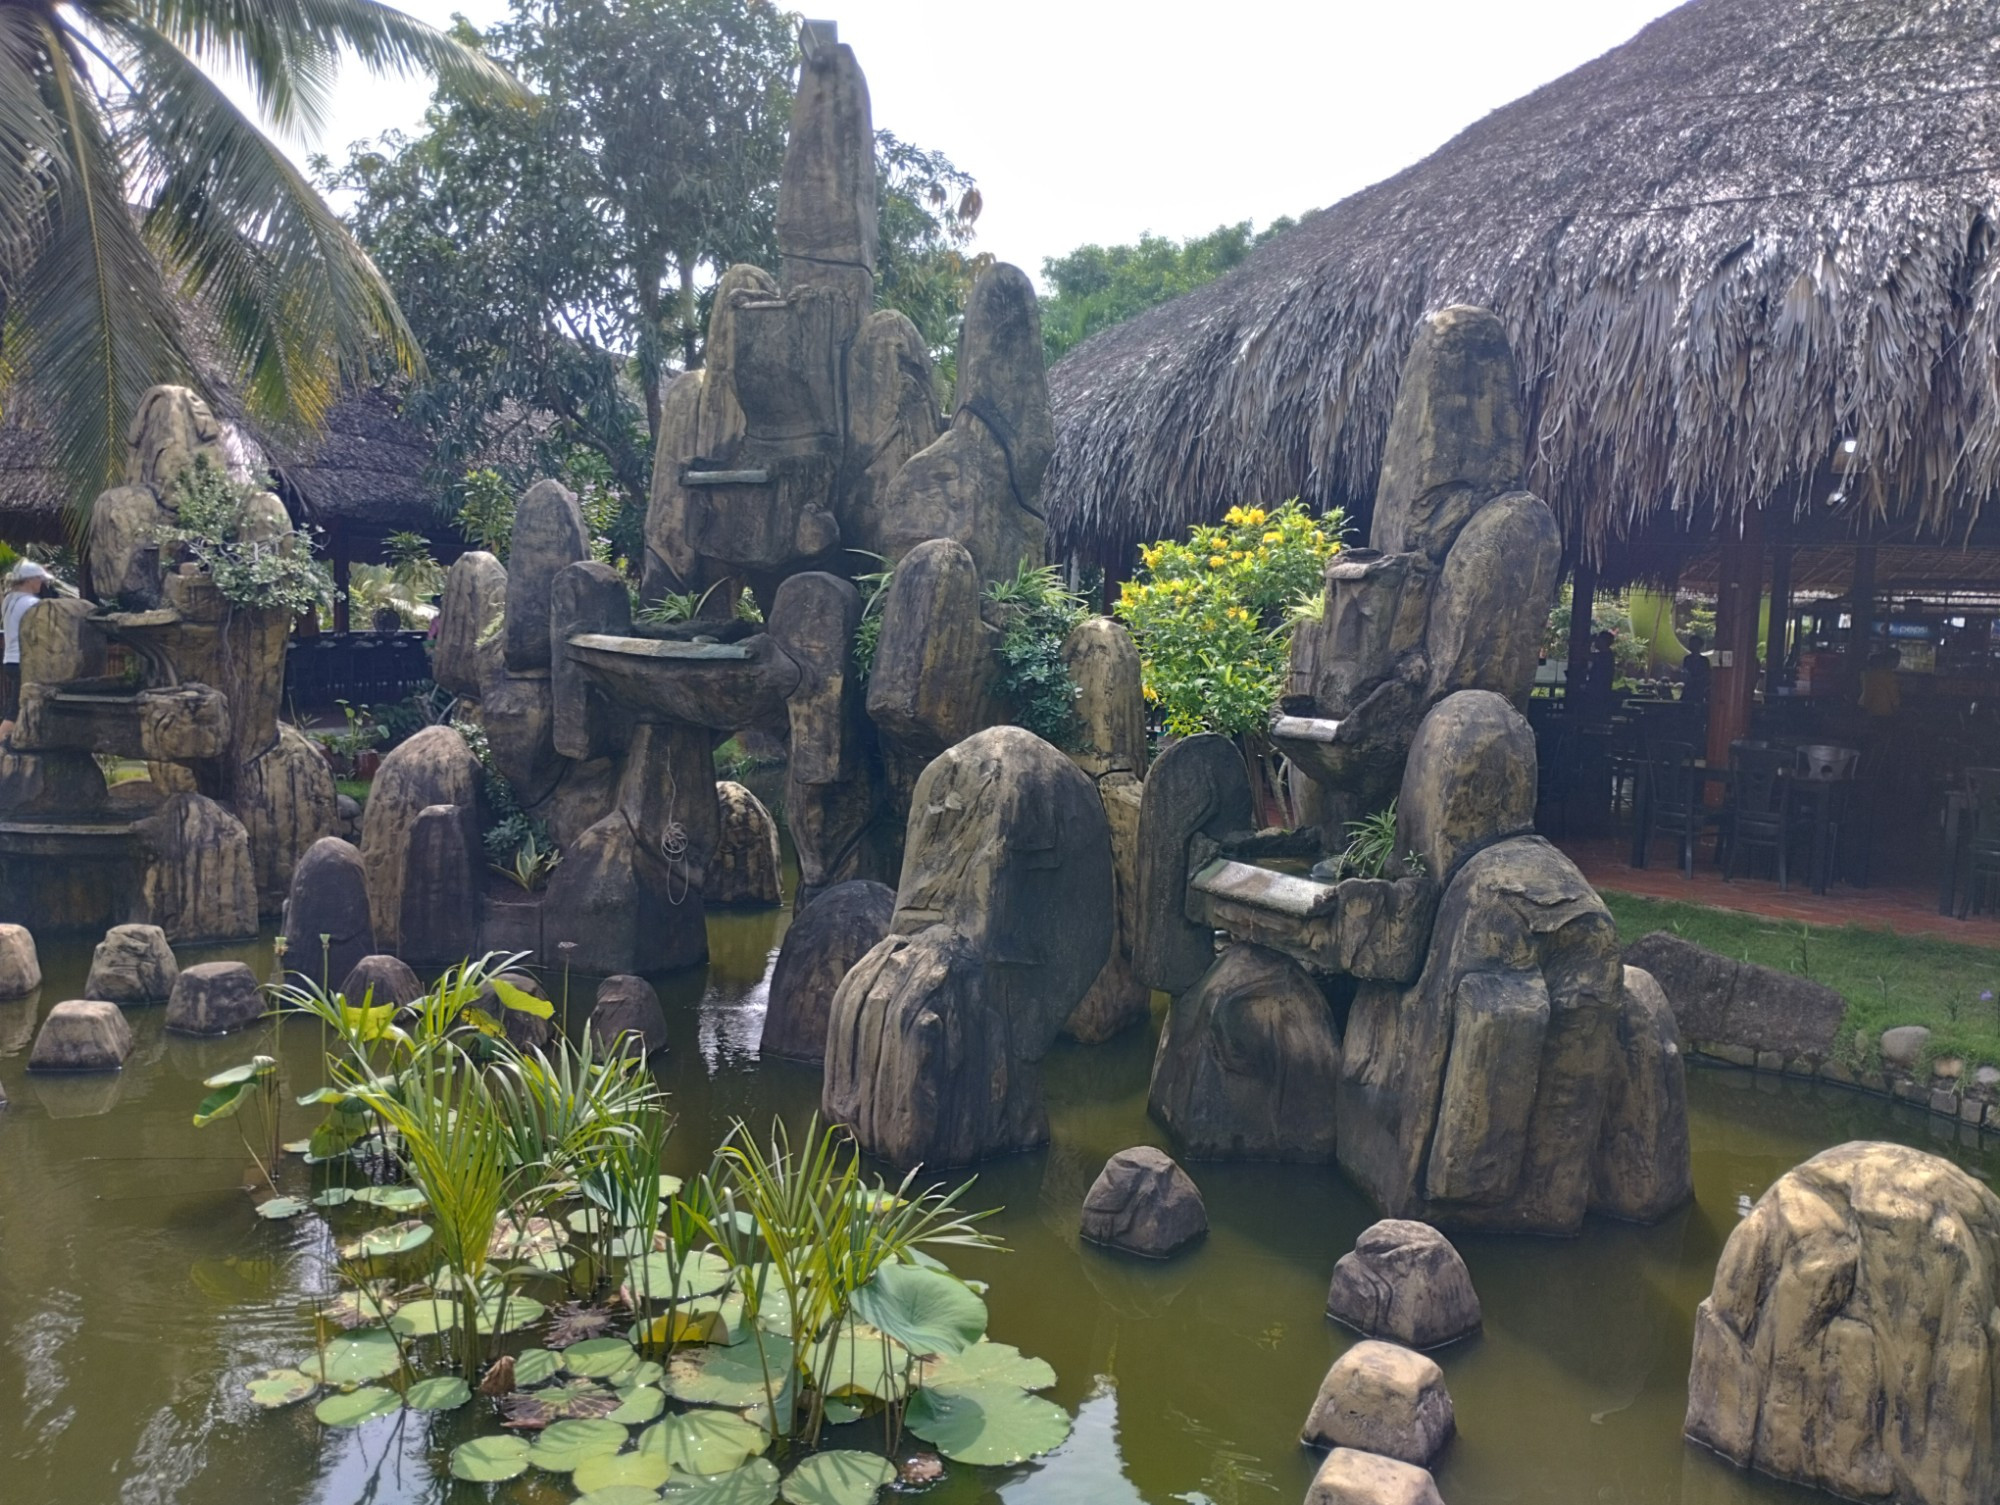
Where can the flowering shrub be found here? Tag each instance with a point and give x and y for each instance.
(1212, 615)
(249, 567)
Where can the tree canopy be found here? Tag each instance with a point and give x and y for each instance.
(1098, 286)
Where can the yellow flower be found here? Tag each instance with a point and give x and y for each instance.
(1254, 518)
(1152, 694)
(1216, 561)
(1274, 537)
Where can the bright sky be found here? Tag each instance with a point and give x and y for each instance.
(1095, 120)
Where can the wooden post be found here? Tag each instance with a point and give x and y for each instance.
(1777, 634)
(1861, 611)
(1735, 674)
(1582, 598)
(340, 576)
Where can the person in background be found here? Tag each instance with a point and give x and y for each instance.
(1694, 672)
(24, 588)
(388, 619)
(1881, 691)
(1602, 670)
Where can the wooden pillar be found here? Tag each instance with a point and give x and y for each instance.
(338, 543)
(1861, 611)
(1777, 636)
(1735, 676)
(1582, 598)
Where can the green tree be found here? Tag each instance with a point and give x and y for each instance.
(134, 182)
(1098, 286)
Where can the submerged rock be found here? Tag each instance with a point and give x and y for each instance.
(1143, 1203)
(82, 1035)
(1404, 1281)
(746, 866)
(824, 942)
(628, 1012)
(1352, 1477)
(1642, 1169)
(376, 980)
(133, 964)
(213, 998)
(1382, 1398)
(20, 967)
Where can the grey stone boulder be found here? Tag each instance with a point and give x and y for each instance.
(20, 967)
(746, 866)
(825, 940)
(1382, 1398)
(527, 1031)
(1247, 1062)
(286, 799)
(439, 917)
(1143, 1203)
(379, 979)
(1847, 1344)
(329, 897)
(1469, 782)
(1197, 793)
(469, 615)
(133, 964)
(1718, 1000)
(1117, 1000)
(213, 998)
(435, 767)
(1903, 1046)
(1405, 1282)
(198, 883)
(628, 1012)
(1643, 1168)
(1352, 1477)
(586, 597)
(1103, 662)
(623, 909)
(81, 1035)
(549, 536)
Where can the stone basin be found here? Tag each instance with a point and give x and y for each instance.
(723, 686)
(1372, 928)
(68, 875)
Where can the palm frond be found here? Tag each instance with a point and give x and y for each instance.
(31, 140)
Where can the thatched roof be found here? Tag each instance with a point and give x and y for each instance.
(1758, 228)
(366, 469)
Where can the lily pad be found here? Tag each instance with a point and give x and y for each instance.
(585, 1220)
(600, 1358)
(702, 1273)
(355, 1358)
(621, 1494)
(927, 1311)
(441, 1392)
(352, 1407)
(839, 1413)
(517, 1313)
(669, 1185)
(224, 1102)
(425, 1319)
(987, 1363)
(571, 1400)
(703, 1442)
(391, 1198)
(731, 1376)
(389, 1242)
(862, 1364)
(638, 1405)
(358, 1308)
(249, 1071)
(488, 1460)
(278, 1208)
(633, 1471)
(534, 1366)
(648, 1373)
(531, 1236)
(755, 1483)
(334, 1196)
(565, 1444)
(988, 1424)
(839, 1478)
(281, 1387)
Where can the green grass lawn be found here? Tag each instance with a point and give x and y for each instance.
(1887, 979)
(354, 789)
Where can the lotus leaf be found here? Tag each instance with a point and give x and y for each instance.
(336, 1134)
(333, 1196)
(577, 1399)
(703, 1442)
(927, 1311)
(669, 1185)
(391, 1198)
(648, 1373)
(637, 1405)
(546, 1262)
(839, 1478)
(600, 1358)
(640, 1471)
(988, 1424)
(425, 1319)
(296, 1146)
(702, 1273)
(755, 1483)
(488, 1460)
(330, 1097)
(567, 1443)
(517, 1241)
(585, 1220)
(278, 1208)
(732, 1376)
(251, 1070)
(281, 1387)
(521, 1000)
(355, 1358)
(389, 1242)
(621, 1494)
(533, 1366)
(574, 1321)
(516, 1313)
(987, 1363)
(631, 1243)
(221, 1103)
(358, 1308)
(441, 1392)
(862, 1363)
(353, 1407)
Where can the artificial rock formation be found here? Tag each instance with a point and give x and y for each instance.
(628, 1016)
(1404, 1281)
(621, 906)
(1003, 917)
(132, 965)
(1196, 795)
(823, 943)
(1352, 1477)
(1247, 1062)
(470, 613)
(287, 801)
(1143, 1203)
(1642, 1169)
(746, 867)
(437, 920)
(1849, 1342)
(376, 980)
(435, 767)
(20, 967)
(214, 998)
(1718, 1000)
(197, 882)
(81, 1035)
(1382, 1398)
(329, 899)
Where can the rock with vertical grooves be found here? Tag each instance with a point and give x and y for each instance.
(518, 714)
(1103, 661)
(438, 921)
(549, 535)
(826, 197)
(628, 1016)
(329, 897)
(892, 413)
(468, 645)
(586, 597)
(81, 1035)
(623, 909)
(1352, 1477)
(1197, 793)
(1382, 1398)
(132, 965)
(215, 998)
(1405, 1282)
(1143, 1203)
(821, 946)
(1117, 999)
(746, 866)
(927, 687)
(1469, 782)
(378, 979)
(435, 767)
(1642, 1169)
(197, 884)
(20, 966)
(286, 800)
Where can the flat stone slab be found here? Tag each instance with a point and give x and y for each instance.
(1282, 893)
(1372, 928)
(82, 1035)
(662, 648)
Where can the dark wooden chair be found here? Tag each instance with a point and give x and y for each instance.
(1671, 804)
(1982, 845)
(1758, 813)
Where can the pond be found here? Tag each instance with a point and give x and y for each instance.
(138, 1291)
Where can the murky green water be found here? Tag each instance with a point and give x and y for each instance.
(137, 1291)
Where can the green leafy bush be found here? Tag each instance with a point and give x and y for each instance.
(511, 834)
(259, 573)
(1034, 682)
(486, 513)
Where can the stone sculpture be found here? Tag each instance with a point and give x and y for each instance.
(1382, 1398)
(746, 866)
(1003, 917)
(628, 1016)
(376, 980)
(1143, 1203)
(1352, 1477)
(1848, 1342)
(329, 898)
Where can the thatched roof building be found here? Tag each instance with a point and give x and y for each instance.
(1757, 230)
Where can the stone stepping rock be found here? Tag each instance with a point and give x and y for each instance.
(82, 1035)
(1351, 1477)
(133, 964)
(381, 979)
(20, 967)
(213, 998)
(1405, 1282)
(1382, 1398)
(628, 1010)
(1143, 1203)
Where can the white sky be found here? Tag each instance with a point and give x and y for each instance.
(1095, 120)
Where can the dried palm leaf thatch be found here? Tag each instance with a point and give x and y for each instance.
(1759, 228)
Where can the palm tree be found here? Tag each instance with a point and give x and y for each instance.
(131, 186)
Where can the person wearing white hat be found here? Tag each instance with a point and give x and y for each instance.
(26, 582)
